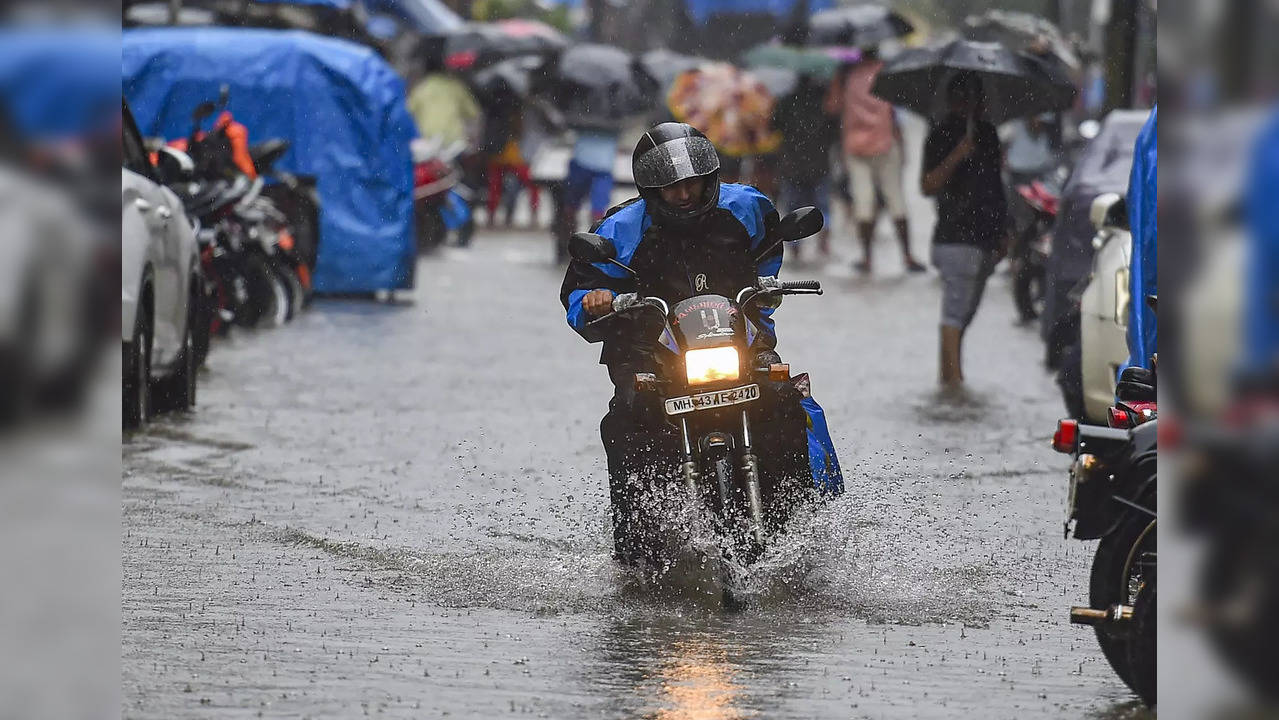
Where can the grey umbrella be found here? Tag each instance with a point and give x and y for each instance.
(1020, 31)
(601, 85)
(665, 65)
(1014, 84)
(858, 25)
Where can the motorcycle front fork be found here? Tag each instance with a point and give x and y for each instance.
(749, 469)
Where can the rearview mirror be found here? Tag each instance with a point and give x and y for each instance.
(797, 224)
(801, 223)
(591, 248)
(203, 110)
(173, 165)
(1108, 210)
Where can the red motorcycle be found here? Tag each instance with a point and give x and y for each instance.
(1033, 246)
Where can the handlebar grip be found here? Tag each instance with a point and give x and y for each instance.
(801, 285)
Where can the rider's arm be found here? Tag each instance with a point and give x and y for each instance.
(582, 278)
(760, 219)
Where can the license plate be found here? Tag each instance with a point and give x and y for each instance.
(706, 401)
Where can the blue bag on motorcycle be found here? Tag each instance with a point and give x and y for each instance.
(827, 477)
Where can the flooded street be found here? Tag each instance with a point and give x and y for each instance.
(401, 510)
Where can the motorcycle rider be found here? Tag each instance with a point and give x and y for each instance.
(687, 234)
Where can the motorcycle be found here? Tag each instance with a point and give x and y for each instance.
(705, 380)
(1113, 498)
(441, 200)
(1230, 501)
(260, 272)
(1034, 216)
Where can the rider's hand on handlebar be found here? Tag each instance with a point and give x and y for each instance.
(598, 302)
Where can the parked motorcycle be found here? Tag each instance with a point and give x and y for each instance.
(1230, 499)
(1112, 498)
(260, 272)
(441, 200)
(706, 377)
(1032, 246)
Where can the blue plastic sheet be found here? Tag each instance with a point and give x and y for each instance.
(1261, 308)
(701, 10)
(1144, 275)
(59, 83)
(339, 104)
(827, 476)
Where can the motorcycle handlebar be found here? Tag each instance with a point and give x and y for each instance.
(810, 285)
(628, 302)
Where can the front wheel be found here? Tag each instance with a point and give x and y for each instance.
(177, 392)
(136, 403)
(1028, 287)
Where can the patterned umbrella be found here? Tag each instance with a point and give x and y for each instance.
(731, 106)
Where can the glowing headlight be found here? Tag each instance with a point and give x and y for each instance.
(711, 364)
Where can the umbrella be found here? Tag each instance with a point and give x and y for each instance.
(818, 63)
(779, 82)
(515, 74)
(858, 25)
(1020, 31)
(1014, 84)
(731, 106)
(665, 65)
(479, 44)
(600, 85)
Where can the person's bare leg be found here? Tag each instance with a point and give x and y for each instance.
(903, 237)
(866, 232)
(951, 374)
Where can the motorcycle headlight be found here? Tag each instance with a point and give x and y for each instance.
(711, 364)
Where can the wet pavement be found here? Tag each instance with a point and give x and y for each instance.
(399, 509)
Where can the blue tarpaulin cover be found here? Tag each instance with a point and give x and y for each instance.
(827, 476)
(339, 104)
(1142, 207)
(1261, 308)
(58, 83)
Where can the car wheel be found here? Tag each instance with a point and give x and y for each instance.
(137, 373)
(177, 392)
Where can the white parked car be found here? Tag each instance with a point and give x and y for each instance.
(161, 282)
(1104, 307)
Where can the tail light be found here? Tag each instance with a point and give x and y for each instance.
(1117, 418)
(1067, 436)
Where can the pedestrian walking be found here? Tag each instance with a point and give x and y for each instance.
(803, 160)
(872, 146)
(961, 168)
(590, 171)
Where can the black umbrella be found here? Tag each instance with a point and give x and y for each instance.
(1014, 84)
(601, 85)
(857, 25)
(515, 74)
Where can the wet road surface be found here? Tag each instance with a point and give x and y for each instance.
(401, 510)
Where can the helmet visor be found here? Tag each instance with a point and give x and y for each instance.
(675, 160)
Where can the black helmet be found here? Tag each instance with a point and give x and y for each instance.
(671, 152)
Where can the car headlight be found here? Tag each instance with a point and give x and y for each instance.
(711, 364)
